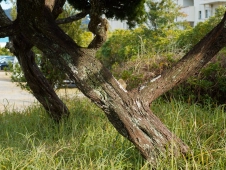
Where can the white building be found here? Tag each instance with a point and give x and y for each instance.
(117, 24)
(195, 10)
(198, 10)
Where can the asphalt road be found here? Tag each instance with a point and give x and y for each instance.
(13, 97)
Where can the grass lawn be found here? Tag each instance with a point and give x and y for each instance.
(31, 140)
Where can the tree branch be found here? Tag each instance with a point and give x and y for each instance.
(97, 25)
(58, 7)
(8, 30)
(7, 27)
(101, 34)
(37, 82)
(191, 63)
(4, 20)
(72, 18)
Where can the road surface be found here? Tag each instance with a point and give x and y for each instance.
(13, 97)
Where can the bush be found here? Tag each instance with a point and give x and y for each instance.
(208, 86)
(139, 55)
(192, 36)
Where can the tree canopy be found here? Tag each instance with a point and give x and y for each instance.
(131, 10)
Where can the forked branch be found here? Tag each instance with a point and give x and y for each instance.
(191, 63)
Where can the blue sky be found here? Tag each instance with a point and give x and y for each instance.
(6, 39)
(5, 5)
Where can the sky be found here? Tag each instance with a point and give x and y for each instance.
(6, 5)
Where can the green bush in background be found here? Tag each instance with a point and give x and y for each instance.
(141, 54)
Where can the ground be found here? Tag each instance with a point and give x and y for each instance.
(13, 97)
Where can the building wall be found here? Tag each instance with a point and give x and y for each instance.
(188, 2)
(198, 10)
(116, 24)
(2, 44)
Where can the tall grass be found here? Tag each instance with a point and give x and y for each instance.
(31, 140)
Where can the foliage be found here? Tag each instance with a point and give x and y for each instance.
(31, 140)
(209, 84)
(13, 11)
(162, 15)
(124, 45)
(5, 51)
(206, 87)
(143, 53)
(75, 29)
(140, 54)
(131, 10)
(192, 36)
(54, 76)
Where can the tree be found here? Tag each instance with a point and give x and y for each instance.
(162, 14)
(128, 111)
(54, 76)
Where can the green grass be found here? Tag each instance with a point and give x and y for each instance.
(31, 140)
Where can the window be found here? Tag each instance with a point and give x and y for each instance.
(206, 13)
(200, 14)
(191, 24)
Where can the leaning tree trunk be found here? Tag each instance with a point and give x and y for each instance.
(129, 112)
(38, 84)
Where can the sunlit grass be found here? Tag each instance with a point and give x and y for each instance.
(203, 129)
(31, 140)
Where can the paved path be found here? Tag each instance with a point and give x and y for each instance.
(14, 98)
(11, 96)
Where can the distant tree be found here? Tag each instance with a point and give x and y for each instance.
(162, 14)
(128, 111)
(5, 51)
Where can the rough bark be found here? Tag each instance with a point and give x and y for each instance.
(39, 85)
(129, 112)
